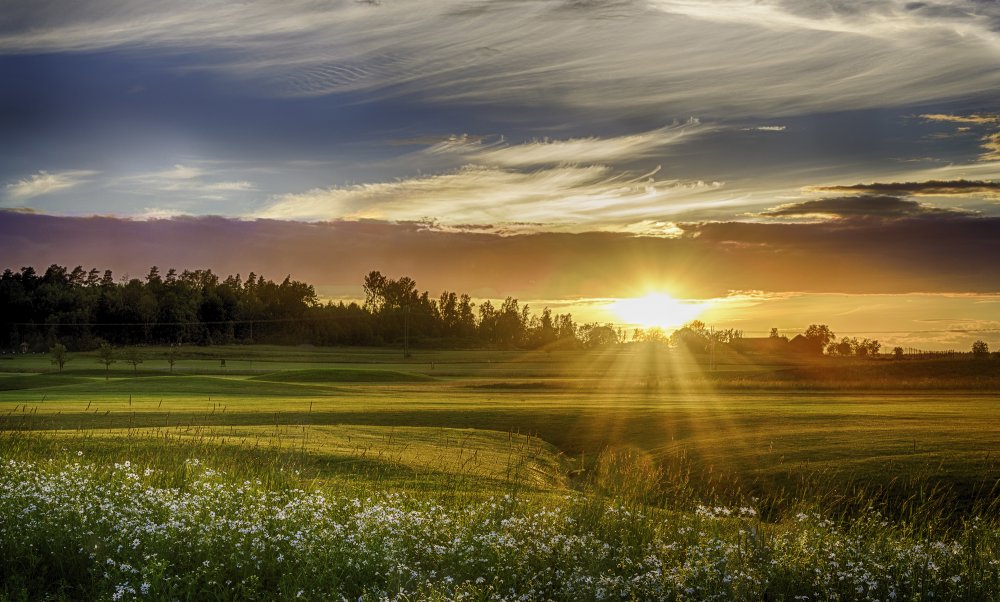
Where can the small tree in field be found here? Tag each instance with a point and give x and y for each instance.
(106, 355)
(58, 352)
(134, 357)
(897, 352)
(980, 349)
(172, 357)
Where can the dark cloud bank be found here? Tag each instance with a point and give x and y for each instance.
(863, 207)
(939, 252)
(929, 187)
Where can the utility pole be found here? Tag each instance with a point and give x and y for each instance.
(711, 345)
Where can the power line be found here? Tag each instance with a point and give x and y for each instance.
(198, 323)
(408, 311)
(951, 330)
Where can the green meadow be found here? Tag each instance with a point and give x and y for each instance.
(647, 429)
(737, 426)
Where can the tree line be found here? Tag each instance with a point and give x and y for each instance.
(81, 309)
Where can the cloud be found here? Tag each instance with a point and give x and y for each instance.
(582, 151)
(158, 213)
(991, 147)
(567, 184)
(766, 128)
(43, 183)
(865, 206)
(985, 171)
(567, 195)
(240, 186)
(990, 141)
(674, 57)
(845, 16)
(910, 254)
(948, 118)
(953, 253)
(188, 179)
(177, 172)
(988, 188)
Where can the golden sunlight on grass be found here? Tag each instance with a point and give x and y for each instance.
(656, 310)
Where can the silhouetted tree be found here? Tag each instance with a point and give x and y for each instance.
(511, 322)
(650, 335)
(980, 349)
(845, 347)
(374, 287)
(818, 336)
(865, 347)
(694, 336)
(598, 335)
(487, 322)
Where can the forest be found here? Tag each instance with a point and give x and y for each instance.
(82, 309)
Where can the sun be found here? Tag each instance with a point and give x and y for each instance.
(656, 310)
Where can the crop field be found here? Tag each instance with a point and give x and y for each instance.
(630, 473)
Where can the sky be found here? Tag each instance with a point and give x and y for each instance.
(775, 162)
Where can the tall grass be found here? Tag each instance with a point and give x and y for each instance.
(250, 524)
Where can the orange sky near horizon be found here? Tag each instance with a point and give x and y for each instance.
(880, 280)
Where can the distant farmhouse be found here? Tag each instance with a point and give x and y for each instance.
(798, 345)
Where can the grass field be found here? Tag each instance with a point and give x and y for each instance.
(916, 442)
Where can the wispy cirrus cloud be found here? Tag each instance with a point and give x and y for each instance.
(565, 196)
(766, 128)
(187, 180)
(681, 56)
(584, 151)
(44, 182)
(570, 184)
(879, 18)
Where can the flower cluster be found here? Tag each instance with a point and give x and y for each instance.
(119, 532)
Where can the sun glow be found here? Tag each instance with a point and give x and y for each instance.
(656, 310)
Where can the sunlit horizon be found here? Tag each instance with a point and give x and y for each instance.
(657, 310)
(892, 319)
